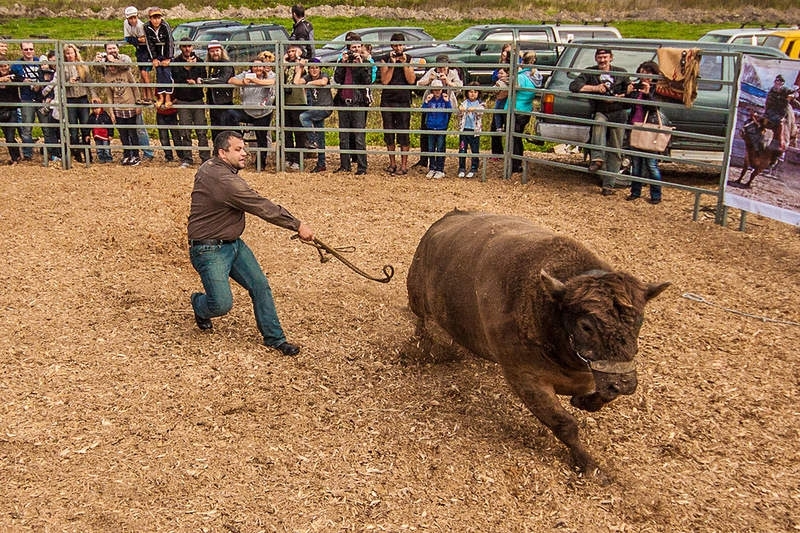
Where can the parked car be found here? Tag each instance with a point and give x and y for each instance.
(708, 115)
(749, 36)
(479, 46)
(380, 38)
(787, 41)
(192, 30)
(243, 43)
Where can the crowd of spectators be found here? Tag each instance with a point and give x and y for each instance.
(106, 94)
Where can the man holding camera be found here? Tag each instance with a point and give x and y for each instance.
(396, 69)
(351, 71)
(187, 71)
(611, 83)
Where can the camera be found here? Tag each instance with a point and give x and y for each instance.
(351, 56)
(103, 56)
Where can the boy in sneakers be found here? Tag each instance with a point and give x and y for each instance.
(437, 107)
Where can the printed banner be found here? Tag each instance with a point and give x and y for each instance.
(763, 174)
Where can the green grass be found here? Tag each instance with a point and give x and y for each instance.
(82, 29)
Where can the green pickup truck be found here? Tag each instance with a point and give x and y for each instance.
(477, 48)
(708, 116)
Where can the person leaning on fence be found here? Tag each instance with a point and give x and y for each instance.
(500, 80)
(320, 100)
(396, 69)
(611, 84)
(438, 107)
(122, 93)
(219, 91)
(451, 82)
(470, 124)
(351, 70)
(50, 111)
(642, 166)
(27, 70)
(528, 80)
(220, 200)
(257, 86)
(9, 105)
(159, 46)
(76, 77)
(293, 95)
(134, 34)
(187, 73)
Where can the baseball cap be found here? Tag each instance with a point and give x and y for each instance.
(603, 51)
(437, 83)
(314, 60)
(131, 11)
(780, 78)
(214, 44)
(154, 11)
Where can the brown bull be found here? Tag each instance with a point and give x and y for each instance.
(558, 319)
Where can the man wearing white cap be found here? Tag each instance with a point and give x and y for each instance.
(219, 71)
(133, 32)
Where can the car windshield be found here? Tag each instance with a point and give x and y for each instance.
(470, 34)
(181, 32)
(714, 38)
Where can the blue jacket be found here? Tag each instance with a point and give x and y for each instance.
(438, 120)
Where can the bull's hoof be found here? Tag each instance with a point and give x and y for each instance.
(588, 402)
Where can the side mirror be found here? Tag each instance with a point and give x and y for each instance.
(481, 48)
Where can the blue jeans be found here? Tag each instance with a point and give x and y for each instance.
(473, 142)
(315, 118)
(645, 167)
(103, 150)
(215, 264)
(28, 116)
(144, 137)
(436, 144)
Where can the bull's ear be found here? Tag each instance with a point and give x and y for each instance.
(654, 289)
(553, 287)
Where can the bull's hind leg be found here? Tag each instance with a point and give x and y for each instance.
(433, 343)
(545, 405)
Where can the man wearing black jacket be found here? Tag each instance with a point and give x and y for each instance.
(220, 92)
(189, 102)
(350, 71)
(302, 30)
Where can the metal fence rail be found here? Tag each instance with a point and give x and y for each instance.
(278, 130)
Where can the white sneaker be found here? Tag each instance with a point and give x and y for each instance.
(430, 174)
(294, 166)
(438, 175)
(126, 161)
(470, 174)
(186, 164)
(134, 161)
(461, 173)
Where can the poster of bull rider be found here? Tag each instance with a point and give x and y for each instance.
(763, 174)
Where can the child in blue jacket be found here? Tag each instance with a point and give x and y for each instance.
(437, 117)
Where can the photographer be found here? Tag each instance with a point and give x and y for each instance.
(351, 71)
(451, 83)
(612, 83)
(643, 90)
(396, 69)
(187, 71)
(294, 95)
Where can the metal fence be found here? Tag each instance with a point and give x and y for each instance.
(66, 125)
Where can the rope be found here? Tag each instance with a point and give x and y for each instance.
(698, 298)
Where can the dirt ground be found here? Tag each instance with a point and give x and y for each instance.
(118, 414)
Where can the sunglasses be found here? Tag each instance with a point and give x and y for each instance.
(27, 49)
